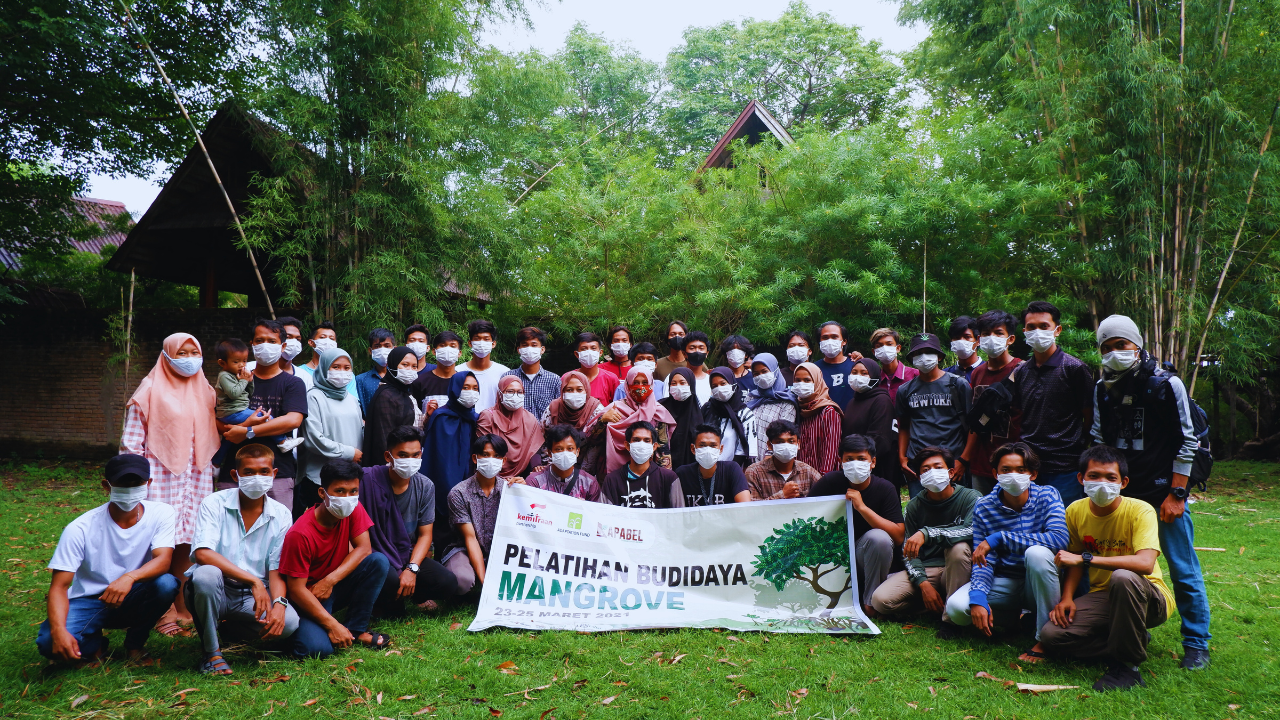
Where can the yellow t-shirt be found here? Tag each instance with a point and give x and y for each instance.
(1130, 528)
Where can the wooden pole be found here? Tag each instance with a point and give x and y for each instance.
(128, 328)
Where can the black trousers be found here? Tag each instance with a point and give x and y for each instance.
(435, 582)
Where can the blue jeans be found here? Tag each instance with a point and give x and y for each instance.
(87, 616)
(357, 593)
(1177, 541)
(1040, 588)
(1067, 484)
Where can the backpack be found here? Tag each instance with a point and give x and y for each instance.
(1156, 385)
(992, 409)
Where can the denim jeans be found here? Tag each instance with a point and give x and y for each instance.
(1177, 541)
(357, 593)
(1067, 484)
(1040, 588)
(87, 616)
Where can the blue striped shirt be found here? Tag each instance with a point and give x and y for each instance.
(1042, 521)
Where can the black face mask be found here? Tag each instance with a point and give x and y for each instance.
(675, 343)
(696, 359)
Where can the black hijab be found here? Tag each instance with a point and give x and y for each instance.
(390, 407)
(688, 416)
(717, 411)
(876, 387)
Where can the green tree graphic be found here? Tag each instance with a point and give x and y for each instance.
(805, 545)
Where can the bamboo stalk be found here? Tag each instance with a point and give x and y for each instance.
(128, 328)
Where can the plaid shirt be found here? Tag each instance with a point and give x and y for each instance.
(184, 492)
(538, 392)
(1042, 521)
(765, 482)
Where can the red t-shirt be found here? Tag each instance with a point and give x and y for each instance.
(604, 385)
(616, 369)
(312, 551)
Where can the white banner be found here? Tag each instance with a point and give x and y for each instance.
(558, 563)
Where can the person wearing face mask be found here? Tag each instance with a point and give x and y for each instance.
(878, 527)
(447, 445)
(170, 421)
(820, 419)
(328, 564)
(738, 353)
(708, 480)
(516, 426)
(431, 389)
(770, 398)
(292, 346)
(417, 339)
(685, 410)
(1113, 550)
(640, 482)
(111, 570)
(483, 337)
(401, 501)
(540, 385)
(938, 550)
(638, 405)
(780, 475)
(334, 428)
(835, 365)
(996, 329)
(645, 356)
(870, 413)
(391, 407)
(1053, 395)
(232, 390)
(236, 579)
(473, 511)
(586, 348)
(730, 415)
(886, 345)
(931, 410)
(620, 344)
(1144, 411)
(381, 341)
(579, 409)
(963, 334)
(1018, 528)
(696, 346)
(324, 337)
(799, 348)
(674, 338)
(565, 475)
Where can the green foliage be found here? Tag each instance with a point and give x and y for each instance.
(85, 274)
(802, 546)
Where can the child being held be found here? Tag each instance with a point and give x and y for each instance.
(233, 390)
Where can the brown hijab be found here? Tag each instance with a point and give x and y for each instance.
(821, 396)
(559, 411)
(178, 411)
(520, 430)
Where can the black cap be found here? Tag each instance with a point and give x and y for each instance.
(126, 464)
(924, 341)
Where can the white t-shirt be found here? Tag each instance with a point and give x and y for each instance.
(702, 389)
(488, 380)
(98, 550)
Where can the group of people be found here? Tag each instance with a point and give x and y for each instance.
(1021, 476)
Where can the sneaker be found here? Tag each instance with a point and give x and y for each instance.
(1120, 677)
(287, 446)
(947, 632)
(1193, 659)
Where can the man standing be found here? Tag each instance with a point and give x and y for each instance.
(996, 330)
(964, 343)
(799, 347)
(1055, 396)
(696, 347)
(431, 389)
(381, 342)
(1143, 411)
(885, 345)
(417, 339)
(541, 386)
(586, 347)
(483, 336)
(292, 348)
(780, 475)
(835, 363)
(675, 345)
(931, 410)
(710, 480)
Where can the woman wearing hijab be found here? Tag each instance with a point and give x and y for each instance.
(518, 427)
(819, 419)
(683, 406)
(736, 421)
(769, 399)
(391, 405)
(334, 428)
(870, 413)
(170, 421)
(639, 404)
(446, 447)
(576, 406)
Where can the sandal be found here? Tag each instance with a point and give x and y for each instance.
(215, 664)
(170, 626)
(380, 641)
(1033, 656)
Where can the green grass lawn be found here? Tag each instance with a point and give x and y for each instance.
(438, 668)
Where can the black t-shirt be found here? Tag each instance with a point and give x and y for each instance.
(279, 396)
(722, 487)
(881, 496)
(429, 384)
(650, 490)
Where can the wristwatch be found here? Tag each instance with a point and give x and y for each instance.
(1086, 557)
(1179, 493)
(248, 434)
(282, 600)
(413, 568)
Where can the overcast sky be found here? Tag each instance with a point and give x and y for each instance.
(652, 27)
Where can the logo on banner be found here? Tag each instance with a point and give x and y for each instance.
(531, 519)
(619, 531)
(575, 521)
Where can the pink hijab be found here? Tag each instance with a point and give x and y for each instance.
(617, 453)
(178, 411)
(519, 428)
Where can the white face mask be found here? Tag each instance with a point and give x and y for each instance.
(185, 366)
(859, 382)
(935, 480)
(564, 459)
(589, 358)
(406, 375)
(1040, 340)
(786, 452)
(1101, 493)
(802, 390)
(513, 401)
(575, 400)
(292, 349)
(797, 354)
(419, 349)
(993, 345)
(530, 355)
(468, 398)
(447, 355)
(341, 378)
(341, 507)
(267, 353)
(324, 345)
(127, 498)
(925, 362)
(723, 393)
(1014, 483)
(886, 354)
(856, 471)
(962, 348)
(735, 357)
(406, 467)
(481, 348)
(641, 452)
(707, 457)
(620, 350)
(765, 380)
(648, 367)
(679, 393)
(830, 348)
(489, 467)
(379, 355)
(1119, 360)
(255, 486)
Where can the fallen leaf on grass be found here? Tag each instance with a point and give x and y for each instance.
(277, 679)
(425, 710)
(180, 692)
(678, 658)
(988, 676)
(727, 661)
(874, 679)
(379, 696)
(526, 691)
(392, 652)
(547, 712)
(619, 682)
(732, 677)
(1242, 550)
(801, 693)
(507, 664)
(1015, 666)
(578, 683)
(1229, 707)
(455, 626)
(624, 662)
(78, 700)
(1037, 689)
(406, 697)
(732, 638)
(311, 702)
(932, 691)
(913, 706)
(608, 700)
(495, 712)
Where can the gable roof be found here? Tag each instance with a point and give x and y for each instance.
(754, 121)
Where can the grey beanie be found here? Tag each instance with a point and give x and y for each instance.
(1119, 326)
